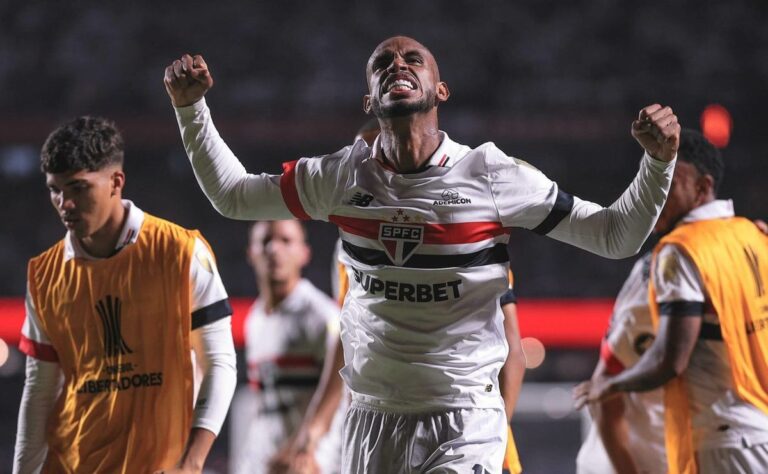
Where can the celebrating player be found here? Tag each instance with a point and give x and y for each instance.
(424, 223)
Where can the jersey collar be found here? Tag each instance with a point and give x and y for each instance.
(128, 235)
(447, 154)
(717, 209)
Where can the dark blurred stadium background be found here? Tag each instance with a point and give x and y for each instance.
(554, 83)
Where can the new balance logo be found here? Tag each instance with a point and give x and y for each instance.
(109, 311)
(361, 200)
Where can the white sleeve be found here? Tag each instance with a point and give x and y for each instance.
(314, 186)
(32, 329)
(41, 388)
(618, 231)
(232, 191)
(34, 341)
(209, 297)
(677, 281)
(215, 352)
(207, 287)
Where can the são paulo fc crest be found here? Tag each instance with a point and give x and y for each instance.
(400, 241)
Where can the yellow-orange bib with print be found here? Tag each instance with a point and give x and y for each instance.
(731, 256)
(121, 329)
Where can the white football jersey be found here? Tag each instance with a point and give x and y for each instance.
(427, 262)
(285, 348)
(426, 251)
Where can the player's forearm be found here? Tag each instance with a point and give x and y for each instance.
(513, 370)
(618, 231)
(652, 371)
(220, 377)
(232, 191)
(613, 429)
(41, 387)
(511, 379)
(197, 449)
(328, 395)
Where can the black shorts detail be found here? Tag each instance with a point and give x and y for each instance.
(563, 206)
(211, 313)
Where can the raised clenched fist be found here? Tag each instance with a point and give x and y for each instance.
(657, 130)
(187, 80)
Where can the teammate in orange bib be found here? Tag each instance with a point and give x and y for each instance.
(709, 302)
(113, 312)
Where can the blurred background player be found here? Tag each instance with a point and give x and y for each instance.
(627, 431)
(112, 312)
(711, 350)
(286, 333)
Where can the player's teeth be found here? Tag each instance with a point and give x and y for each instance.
(401, 83)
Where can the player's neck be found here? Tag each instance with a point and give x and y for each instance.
(102, 243)
(409, 142)
(275, 292)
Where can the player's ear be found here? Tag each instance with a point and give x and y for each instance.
(705, 187)
(442, 92)
(367, 104)
(117, 182)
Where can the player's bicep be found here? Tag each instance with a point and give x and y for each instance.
(677, 336)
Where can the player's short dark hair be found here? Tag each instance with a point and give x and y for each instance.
(85, 143)
(698, 151)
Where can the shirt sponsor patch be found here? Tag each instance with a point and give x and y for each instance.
(451, 197)
(414, 293)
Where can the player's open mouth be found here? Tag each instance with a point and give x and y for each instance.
(399, 85)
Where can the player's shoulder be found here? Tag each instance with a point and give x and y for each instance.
(354, 153)
(53, 252)
(157, 229)
(500, 162)
(158, 224)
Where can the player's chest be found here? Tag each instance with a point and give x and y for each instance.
(458, 195)
(276, 334)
